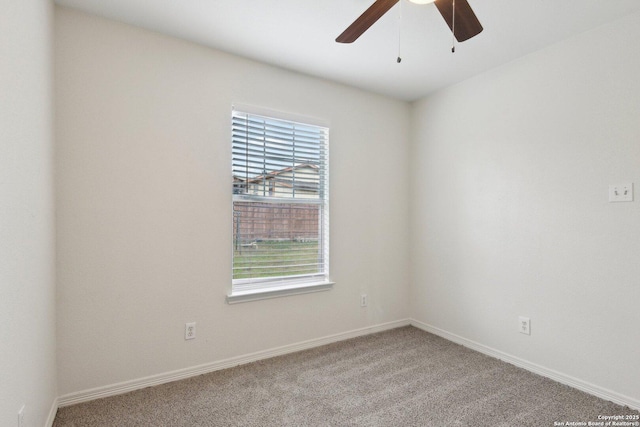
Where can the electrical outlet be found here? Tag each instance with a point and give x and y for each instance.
(363, 300)
(524, 325)
(621, 192)
(189, 331)
(21, 416)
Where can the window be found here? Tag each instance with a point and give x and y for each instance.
(280, 207)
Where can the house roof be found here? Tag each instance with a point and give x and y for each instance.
(276, 173)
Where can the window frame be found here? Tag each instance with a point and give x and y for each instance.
(252, 289)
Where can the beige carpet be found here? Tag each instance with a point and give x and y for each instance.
(402, 377)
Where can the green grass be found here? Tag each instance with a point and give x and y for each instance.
(271, 258)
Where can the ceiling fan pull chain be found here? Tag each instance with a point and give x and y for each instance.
(453, 28)
(399, 31)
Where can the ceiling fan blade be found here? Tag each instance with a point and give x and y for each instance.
(467, 24)
(367, 19)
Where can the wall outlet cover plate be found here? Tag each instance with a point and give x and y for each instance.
(524, 325)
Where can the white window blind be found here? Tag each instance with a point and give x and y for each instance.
(280, 203)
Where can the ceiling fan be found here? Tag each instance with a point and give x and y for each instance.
(457, 14)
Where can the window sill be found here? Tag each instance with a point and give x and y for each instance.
(276, 292)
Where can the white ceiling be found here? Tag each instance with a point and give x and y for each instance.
(299, 35)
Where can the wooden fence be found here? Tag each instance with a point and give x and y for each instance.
(253, 222)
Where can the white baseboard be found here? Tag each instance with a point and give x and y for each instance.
(576, 383)
(52, 413)
(127, 386)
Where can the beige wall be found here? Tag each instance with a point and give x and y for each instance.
(510, 174)
(144, 204)
(27, 278)
(501, 179)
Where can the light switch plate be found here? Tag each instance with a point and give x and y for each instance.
(621, 192)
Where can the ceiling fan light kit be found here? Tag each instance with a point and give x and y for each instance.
(457, 14)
